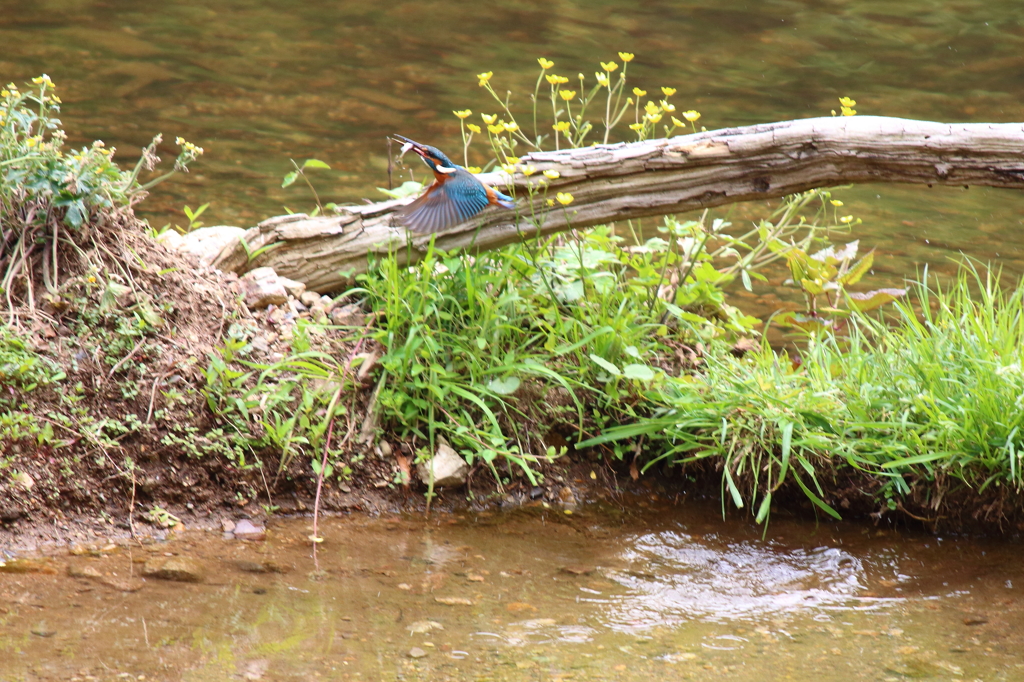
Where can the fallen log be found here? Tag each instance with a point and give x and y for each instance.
(657, 177)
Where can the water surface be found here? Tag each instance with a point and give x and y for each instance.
(259, 83)
(669, 591)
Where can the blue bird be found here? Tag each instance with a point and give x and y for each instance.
(455, 196)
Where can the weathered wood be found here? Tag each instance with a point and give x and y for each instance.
(656, 177)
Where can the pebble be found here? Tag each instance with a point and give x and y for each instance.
(417, 652)
(177, 568)
(247, 530)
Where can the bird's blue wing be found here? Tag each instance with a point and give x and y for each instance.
(457, 199)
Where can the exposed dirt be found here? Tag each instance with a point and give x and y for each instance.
(126, 443)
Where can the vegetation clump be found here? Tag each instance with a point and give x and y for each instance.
(617, 345)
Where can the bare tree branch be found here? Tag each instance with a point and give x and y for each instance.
(656, 177)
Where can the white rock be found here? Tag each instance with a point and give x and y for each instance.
(262, 287)
(449, 469)
(207, 242)
(172, 239)
(294, 289)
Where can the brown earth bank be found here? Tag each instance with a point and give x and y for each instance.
(126, 442)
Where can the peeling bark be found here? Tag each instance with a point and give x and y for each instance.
(657, 177)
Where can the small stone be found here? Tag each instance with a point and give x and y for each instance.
(262, 287)
(90, 572)
(44, 630)
(227, 525)
(24, 480)
(247, 530)
(423, 626)
(294, 289)
(309, 298)
(416, 652)
(350, 315)
(577, 570)
(448, 468)
(454, 601)
(177, 568)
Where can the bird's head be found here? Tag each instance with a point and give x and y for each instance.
(432, 156)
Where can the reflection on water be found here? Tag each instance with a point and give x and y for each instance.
(257, 83)
(672, 591)
(676, 578)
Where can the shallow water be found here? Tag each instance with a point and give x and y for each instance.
(669, 591)
(257, 83)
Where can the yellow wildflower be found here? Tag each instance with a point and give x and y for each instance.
(512, 127)
(847, 102)
(496, 129)
(31, 142)
(835, 202)
(474, 169)
(651, 107)
(556, 80)
(529, 170)
(691, 115)
(463, 114)
(489, 118)
(545, 63)
(602, 78)
(44, 80)
(56, 100)
(846, 219)
(609, 66)
(561, 126)
(564, 198)
(552, 174)
(638, 92)
(629, 100)
(626, 56)
(551, 202)
(4, 93)
(653, 118)
(581, 77)
(668, 91)
(636, 126)
(512, 159)
(508, 168)
(473, 128)
(677, 123)
(567, 94)
(484, 77)
(847, 111)
(665, 106)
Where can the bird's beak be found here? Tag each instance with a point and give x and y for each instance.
(408, 144)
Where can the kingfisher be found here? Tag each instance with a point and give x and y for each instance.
(456, 195)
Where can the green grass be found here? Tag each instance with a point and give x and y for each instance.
(918, 401)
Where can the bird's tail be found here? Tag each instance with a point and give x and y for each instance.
(504, 200)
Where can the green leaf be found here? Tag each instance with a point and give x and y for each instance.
(289, 179)
(859, 270)
(605, 365)
(506, 386)
(640, 372)
(406, 189)
(811, 287)
(762, 511)
(733, 490)
(873, 299)
(315, 163)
